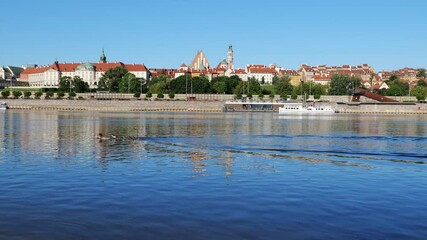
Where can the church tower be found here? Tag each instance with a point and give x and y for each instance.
(230, 58)
(103, 58)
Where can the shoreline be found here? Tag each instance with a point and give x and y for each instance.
(114, 105)
(189, 106)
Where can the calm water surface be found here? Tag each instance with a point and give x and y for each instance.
(212, 176)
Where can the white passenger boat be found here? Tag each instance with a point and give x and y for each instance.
(3, 106)
(298, 108)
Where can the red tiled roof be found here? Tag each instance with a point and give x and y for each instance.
(261, 70)
(65, 67)
(102, 67)
(136, 67)
(319, 77)
(240, 71)
(35, 70)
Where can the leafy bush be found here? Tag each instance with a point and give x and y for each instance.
(137, 95)
(294, 96)
(261, 96)
(265, 91)
(249, 95)
(17, 94)
(160, 95)
(38, 94)
(239, 96)
(148, 95)
(27, 94)
(60, 95)
(72, 94)
(49, 94)
(284, 96)
(317, 96)
(5, 93)
(171, 95)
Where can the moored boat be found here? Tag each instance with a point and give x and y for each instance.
(3, 106)
(298, 108)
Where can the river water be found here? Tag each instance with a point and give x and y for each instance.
(212, 176)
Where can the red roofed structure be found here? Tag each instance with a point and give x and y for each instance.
(49, 76)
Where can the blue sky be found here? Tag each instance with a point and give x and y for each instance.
(164, 33)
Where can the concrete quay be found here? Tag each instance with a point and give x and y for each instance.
(114, 105)
(195, 106)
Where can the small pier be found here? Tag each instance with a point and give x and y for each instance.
(252, 106)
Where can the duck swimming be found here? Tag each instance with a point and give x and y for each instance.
(115, 137)
(101, 137)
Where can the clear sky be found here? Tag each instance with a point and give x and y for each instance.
(387, 34)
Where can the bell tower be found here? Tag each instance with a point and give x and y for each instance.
(230, 58)
(103, 58)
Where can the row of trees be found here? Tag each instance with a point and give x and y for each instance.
(231, 85)
(120, 80)
(27, 94)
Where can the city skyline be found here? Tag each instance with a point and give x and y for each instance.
(384, 34)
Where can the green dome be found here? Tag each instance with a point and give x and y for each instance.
(85, 67)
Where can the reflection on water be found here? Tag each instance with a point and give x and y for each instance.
(193, 176)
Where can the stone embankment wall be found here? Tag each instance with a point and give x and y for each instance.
(419, 108)
(114, 105)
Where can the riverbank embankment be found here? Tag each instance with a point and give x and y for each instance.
(195, 106)
(114, 105)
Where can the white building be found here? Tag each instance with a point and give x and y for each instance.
(49, 76)
(261, 73)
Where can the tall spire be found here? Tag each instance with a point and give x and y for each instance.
(230, 58)
(103, 58)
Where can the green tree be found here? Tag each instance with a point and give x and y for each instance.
(283, 86)
(111, 79)
(5, 93)
(343, 84)
(219, 87)
(294, 95)
(200, 85)
(38, 94)
(232, 83)
(419, 92)
(421, 73)
(130, 84)
(178, 85)
(159, 84)
(261, 96)
(49, 94)
(17, 94)
(422, 83)
(392, 78)
(252, 86)
(79, 86)
(65, 84)
(60, 94)
(271, 96)
(27, 94)
(397, 88)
